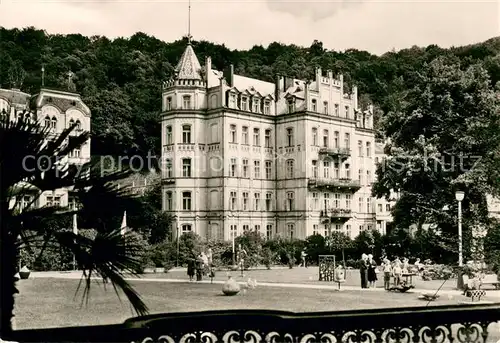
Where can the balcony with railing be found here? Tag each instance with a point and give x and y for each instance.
(342, 153)
(342, 184)
(336, 215)
(458, 323)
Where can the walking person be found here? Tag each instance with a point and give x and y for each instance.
(372, 271)
(303, 256)
(386, 265)
(199, 268)
(363, 270)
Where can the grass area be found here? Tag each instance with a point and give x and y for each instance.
(50, 302)
(304, 276)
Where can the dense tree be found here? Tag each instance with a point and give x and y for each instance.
(120, 79)
(444, 137)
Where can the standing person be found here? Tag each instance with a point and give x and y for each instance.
(199, 268)
(363, 270)
(372, 271)
(303, 257)
(397, 271)
(386, 265)
(191, 267)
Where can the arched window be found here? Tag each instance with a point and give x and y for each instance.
(47, 121)
(53, 123)
(78, 125)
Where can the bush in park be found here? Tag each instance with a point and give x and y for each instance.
(252, 242)
(222, 253)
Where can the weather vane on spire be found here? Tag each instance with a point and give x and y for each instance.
(189, 22)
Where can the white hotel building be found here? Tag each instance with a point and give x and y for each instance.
(290, 158)
(57, 110)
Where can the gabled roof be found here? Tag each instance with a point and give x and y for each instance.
(188, 67)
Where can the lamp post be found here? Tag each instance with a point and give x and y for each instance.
(459, 196)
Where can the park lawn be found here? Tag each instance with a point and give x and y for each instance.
(51, 302)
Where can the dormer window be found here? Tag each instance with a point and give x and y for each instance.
(244, 103)
(168, 104)
(267, 107)
(325, 107)
(232, 100)
(314, 105)
(255, 106)
(186, 102)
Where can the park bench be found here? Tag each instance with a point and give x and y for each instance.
(491, 279)
(475, 294)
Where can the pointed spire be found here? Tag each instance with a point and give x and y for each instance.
(188, 67)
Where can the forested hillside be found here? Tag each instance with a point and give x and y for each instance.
(121, 79)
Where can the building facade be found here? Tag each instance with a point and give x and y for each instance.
(57, 110)
(289, 158)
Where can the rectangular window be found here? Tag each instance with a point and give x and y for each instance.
(168, 168)
(186, 134)
(256, 165)
(232, 133)
(232, 199)
(256, 106)
(232, 101)
(244, 135)
(368, 177)
(168, 136)
(336, 170)
(256, 137)
(289, 137)
(347, 170)
(267, 107)
(267, 138)
(360, 205)
(360, 176)
(325, 138)
(336, 139)
(348, 198)
(245, 201)
(244, 104)
(232, 167)
(186, 201)
(315, 203)
(245, 228)
(326, 201)
(347, 141)
(257, 228)
(186, 167)
(245, 168)
(337, 110)
(289, 169)
(348, 230)
(186, 102)
(326, 169)
(315, 229)
(290, 196)
(368, 149)
(387, 207)
(169, 202)
(269, 198)
(336, 201)
(269, 231)
(360, 148)
(168, 106)
(325, 107)
(269, 169)
(314, 136)
(257, 202)
(233, 231)
(347, 111)
(379, 208)
(315, 169)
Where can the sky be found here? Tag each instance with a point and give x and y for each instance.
(371, 25)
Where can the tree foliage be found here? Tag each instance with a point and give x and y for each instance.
(121, 79)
